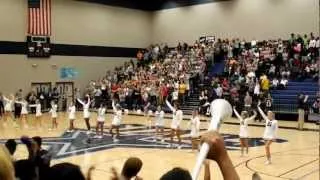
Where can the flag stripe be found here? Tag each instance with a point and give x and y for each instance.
(39, 17)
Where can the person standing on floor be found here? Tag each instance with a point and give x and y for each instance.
(302, 101)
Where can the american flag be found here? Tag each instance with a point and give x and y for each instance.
(39, 17)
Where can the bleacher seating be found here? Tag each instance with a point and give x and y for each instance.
(285, 101)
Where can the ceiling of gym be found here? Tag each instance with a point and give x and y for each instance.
(151, 5)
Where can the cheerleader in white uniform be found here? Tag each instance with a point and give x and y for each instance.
(159, 122)
(86, 112)
(116, 122)
(195, 128)
(72, 116)
(177, 116)
(100, 121)
(54, 115)
(38, 113)
(243, 134)
(270, 132)
(8, 107)
(24, 113)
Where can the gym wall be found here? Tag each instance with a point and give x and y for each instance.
(260, 19)
(73, 23)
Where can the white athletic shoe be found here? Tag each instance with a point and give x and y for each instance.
(169, 146)
(88, 132)
(115, 140)
(162, 140)
(267, 162)
(154, 140)
(100, 137)
(96, 136)
(179, 147)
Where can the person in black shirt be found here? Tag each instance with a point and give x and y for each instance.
(302, 100)
(39, 157)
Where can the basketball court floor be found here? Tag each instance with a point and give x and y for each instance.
(295, 155)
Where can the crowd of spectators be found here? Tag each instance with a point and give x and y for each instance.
(253, 68)
(160, 73)
(37, 165)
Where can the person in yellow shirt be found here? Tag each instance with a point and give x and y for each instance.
(182, 92)
(265, 83)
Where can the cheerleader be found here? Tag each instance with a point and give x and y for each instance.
(243, 134)
(86, 112)
(8, 107)
(24, 113)
(38, 113)
(116, 122)
(159, 122)
(54, 115)
(100, 121)
(270, 132)
(195, 129)
(72, 116)
(177, 116)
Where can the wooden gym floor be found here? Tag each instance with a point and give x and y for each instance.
(295, 155)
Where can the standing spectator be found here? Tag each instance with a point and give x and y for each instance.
(302, 100)
(182, 92)
(247, 102)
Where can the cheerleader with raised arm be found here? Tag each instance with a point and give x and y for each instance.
(116, 122)
(270, 132)
(38, 113)
(244, 119)
(86, 113)
(24, 113)
(100, 121)
(8, 107)
(54, 115)
(195, 129)
(159, 122)
(72, 116)
(177, 116)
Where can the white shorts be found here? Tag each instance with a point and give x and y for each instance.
(7, 109)
(116, 122)
(101, 119)
(38, 114)
(72, 117)
(174, 126)
(24, 112)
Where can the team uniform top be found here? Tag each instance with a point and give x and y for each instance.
(8, 106)
(53, 111)
(117, 117)
(101, 114)
(159, 118)
(270, 132)
(195, 126)
(72, 112)
(177, 116)
(38, 109)
(86, 106)
(24, 106)
(243, 124)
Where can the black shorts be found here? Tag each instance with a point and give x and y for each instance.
(17, 110)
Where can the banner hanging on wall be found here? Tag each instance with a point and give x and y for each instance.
(68, 73)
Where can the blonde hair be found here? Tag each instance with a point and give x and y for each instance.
(6, 165)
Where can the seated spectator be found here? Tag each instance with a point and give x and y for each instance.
(6, 166)
(275, 83)
(283, 83)
(37, 156)
(316, 106)
(26, 170)
(217, 153)
(11, 145)
(67, 171)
